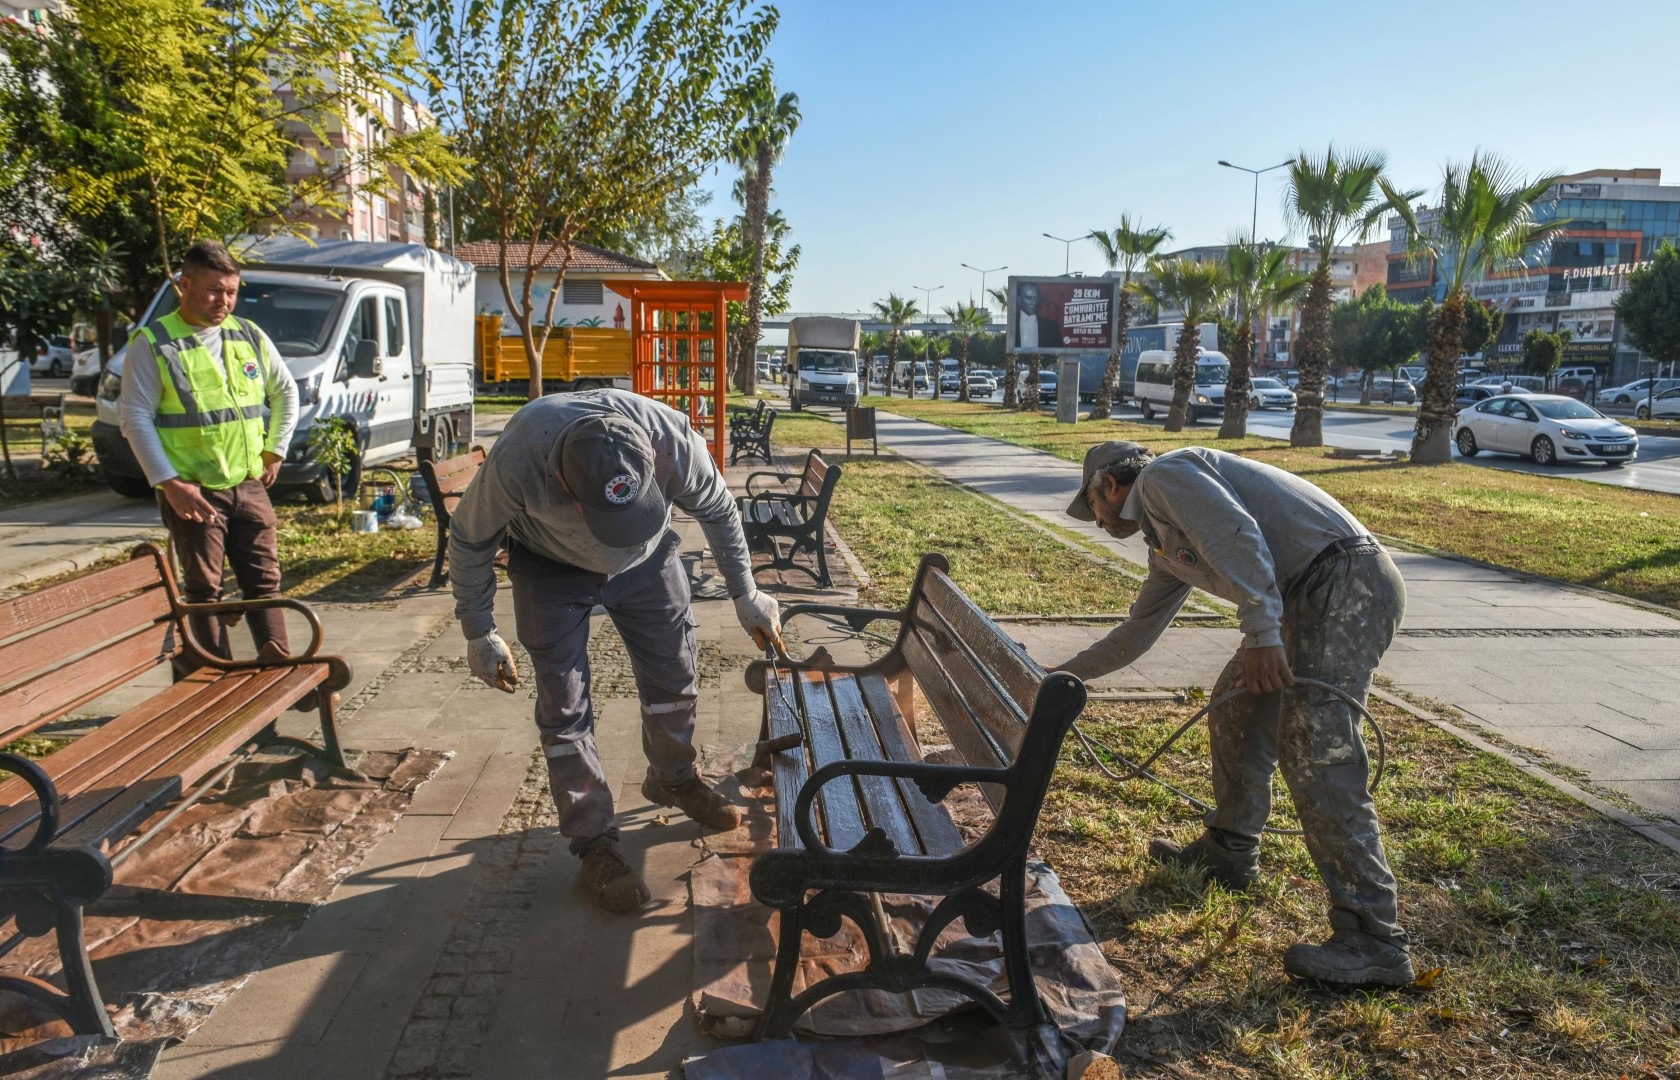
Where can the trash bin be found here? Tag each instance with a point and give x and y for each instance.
(860, 425)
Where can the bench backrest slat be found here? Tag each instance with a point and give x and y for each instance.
(456, 473)
(968, 735)
(24, 613)
(943, 604)
(29, 705)
(72, 637)
(816, 469)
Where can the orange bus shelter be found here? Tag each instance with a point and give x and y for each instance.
(679, 348)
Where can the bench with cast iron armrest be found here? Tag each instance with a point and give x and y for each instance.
(796, 514)
(47, 408)
(446, 481)
(858, 812)
(64, 817)
(749, 432)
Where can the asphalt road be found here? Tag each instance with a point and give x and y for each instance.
(1657, 468)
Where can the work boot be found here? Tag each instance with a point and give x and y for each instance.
(1230, 869)
(609, 879)
(1350, 959)
(693, 798)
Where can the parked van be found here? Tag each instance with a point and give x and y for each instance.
(1153, 387)
(380, 334)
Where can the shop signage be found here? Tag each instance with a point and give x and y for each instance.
(1587, 350)
(1604, 271)
(1584, 191)
(1557, 299)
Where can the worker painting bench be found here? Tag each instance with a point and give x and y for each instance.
(859, 812)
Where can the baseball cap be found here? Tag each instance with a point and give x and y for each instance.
(607, 462)
(1100, 457)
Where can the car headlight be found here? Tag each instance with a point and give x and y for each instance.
(804, 384)
(1202, 399)
(309, 390)
(1569, 433)
(110, 386)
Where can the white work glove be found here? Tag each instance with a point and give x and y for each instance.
(761, 618)
(492, 661)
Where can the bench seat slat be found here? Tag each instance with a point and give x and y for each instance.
(76, 767)
(966, 733)
(788, 767)
(842, 818)
(193, 760)
(1017, 671)
(882, 801)
(939, 835)
(24, 613)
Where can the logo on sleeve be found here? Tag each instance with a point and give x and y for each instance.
(622, 489)
(251, 369)
(1185, 556)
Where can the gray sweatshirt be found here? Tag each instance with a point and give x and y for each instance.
(517, 493)
(1237, 528)
(142, 389)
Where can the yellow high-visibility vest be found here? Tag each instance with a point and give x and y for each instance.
(210, 416)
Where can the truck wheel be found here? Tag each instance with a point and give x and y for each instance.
(1146, 408)
(437, 446)
(585, 384)
(320, 490)
(129, 487)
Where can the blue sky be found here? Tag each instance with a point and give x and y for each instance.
(938, 132)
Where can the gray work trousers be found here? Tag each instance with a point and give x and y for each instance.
(649, 604)
(1337, 623)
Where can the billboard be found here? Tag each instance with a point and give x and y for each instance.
(1057, 315)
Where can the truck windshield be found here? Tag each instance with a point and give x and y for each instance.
(822, 360)
(298, 320)
(1212, 374)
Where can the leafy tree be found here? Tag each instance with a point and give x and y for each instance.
(935, 347)
(1542, 351)
(898, 312)
(584, 114)
(1374, 333)
(1196, 289)
(1649, 306)
(726, 256)
(1126, 248)
(966, 321)
(1011, 363)
(1485, 223)
(1334, 199)
(771, 120)
(1257, 281)
(1482, 323)
(36, 298)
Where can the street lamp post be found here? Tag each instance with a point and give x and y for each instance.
(1258, 328)
(927, 309)
(983, 274)
(1066, 248)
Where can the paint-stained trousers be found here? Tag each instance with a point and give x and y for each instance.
(244, 534)
(1337, 623)
(650, 606)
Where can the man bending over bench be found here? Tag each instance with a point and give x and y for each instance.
(582, 486)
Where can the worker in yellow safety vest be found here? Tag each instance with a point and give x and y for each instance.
(196, 383)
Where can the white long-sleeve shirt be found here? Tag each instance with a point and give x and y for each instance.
(142, 390)
(1237, 528)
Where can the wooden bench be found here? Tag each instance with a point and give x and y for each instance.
(446, 481)
(749, 432)
(858, 812)
(63, 817)
(796, 512)
(46, 408)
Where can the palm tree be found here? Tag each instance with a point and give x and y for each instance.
(966, 321)
(934, 346)
(1125, 249)
(897, 311)
(1485, 223)
(1257, 281)
(1011, 365)
(1333, 198)
(1196, 289)
(757, 150)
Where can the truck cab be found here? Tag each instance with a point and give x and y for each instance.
(823, 362)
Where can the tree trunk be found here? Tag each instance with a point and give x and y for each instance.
(892, 364)
(104, 325)
(1103, 408)
(758, 200)
(962, 369)
(1432, 442)
(1033, 372)
(1365, 386)
(1184, 375)
(1011, 381)
(1314, 351)
(1240, 386)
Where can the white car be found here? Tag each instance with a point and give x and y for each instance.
(1269, 393)
(1548, 428)
(85, 371)
(1532, 383)
(981, 386)
(53, 357)
(1637, 390)
(1665, 406)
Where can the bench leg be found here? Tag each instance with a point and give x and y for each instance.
(329, 728)
(439, 576)
(822, 562)
(86, 1011)
(1025, 1010)
(779, 1011)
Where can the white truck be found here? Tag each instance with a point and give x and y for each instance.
(822, 361)
(378, 333)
